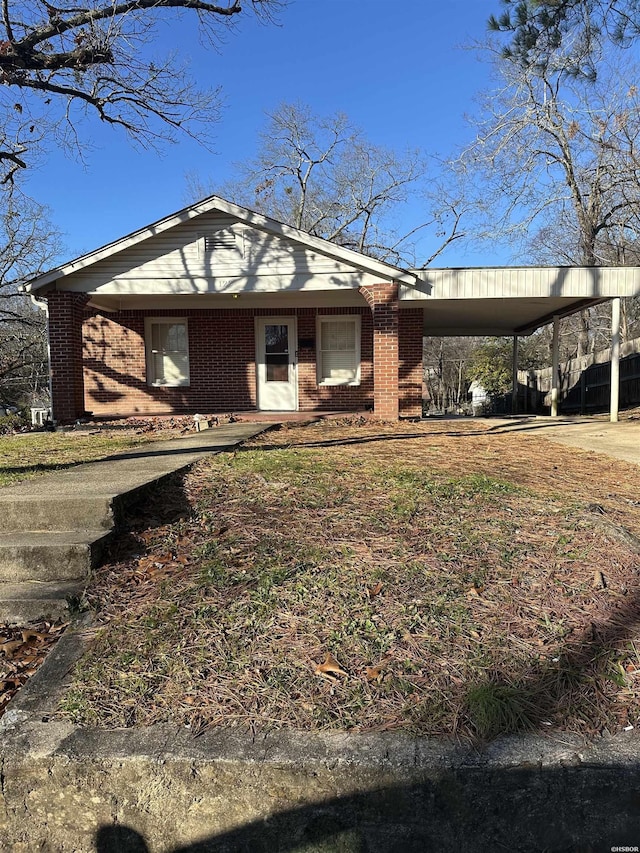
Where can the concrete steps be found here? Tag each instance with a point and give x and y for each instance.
(43, 572)
(50, 540)
(39, 512)
(21, 603)
(54, 528)
(50, 556)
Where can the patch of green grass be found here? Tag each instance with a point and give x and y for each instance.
(436, 486)
(296, 463)
(25, 456)
(412, 493)
(77, 705)
(499, 709)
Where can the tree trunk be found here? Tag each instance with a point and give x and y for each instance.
(583, 333)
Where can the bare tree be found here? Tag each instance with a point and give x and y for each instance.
(557, 163)
(28, 245)
(446, 375)
(550, 151)
(59, 62)
(452, 363)
(320, 174)
(24, 369)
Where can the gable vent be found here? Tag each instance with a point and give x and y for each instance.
(220, 240)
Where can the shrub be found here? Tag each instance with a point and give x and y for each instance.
(12, 423)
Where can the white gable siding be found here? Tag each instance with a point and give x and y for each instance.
(245, 259)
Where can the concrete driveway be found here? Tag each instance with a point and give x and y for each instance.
(620, 440)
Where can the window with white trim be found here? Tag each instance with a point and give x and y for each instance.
(167, 346)
(338, 350)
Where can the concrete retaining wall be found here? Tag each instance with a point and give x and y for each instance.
(69, 790)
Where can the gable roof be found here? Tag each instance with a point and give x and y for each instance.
(242, 214)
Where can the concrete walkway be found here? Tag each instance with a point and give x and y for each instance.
(53, 528)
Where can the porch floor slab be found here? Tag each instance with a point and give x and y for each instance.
(298, 417)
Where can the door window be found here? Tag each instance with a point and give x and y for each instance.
(276, 350)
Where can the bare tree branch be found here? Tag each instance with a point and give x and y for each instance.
(28, 245)
(554, 165)
(454, 234)
(55, 60)
(321, 175)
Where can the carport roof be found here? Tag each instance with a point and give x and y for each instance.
(512, 300)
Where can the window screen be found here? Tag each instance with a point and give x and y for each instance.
(168, 352)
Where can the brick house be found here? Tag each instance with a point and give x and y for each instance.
(217, 308)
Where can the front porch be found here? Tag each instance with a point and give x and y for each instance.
(361, 354)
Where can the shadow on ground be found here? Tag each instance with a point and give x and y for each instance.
(555, 810)
(521, 424)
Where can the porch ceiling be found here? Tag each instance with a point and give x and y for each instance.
(516, 316)
(347, 298)
(512, 300)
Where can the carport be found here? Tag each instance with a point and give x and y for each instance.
(515, 301)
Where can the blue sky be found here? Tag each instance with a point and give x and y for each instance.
(399, 70)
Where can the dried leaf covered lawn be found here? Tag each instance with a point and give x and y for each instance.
(435, 577)
(25, 455)
(22, 650)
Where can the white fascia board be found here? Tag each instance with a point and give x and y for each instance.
(250, 217)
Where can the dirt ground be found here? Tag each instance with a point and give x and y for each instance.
(447, 577)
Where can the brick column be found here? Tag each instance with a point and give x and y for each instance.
(410, 352)
(383, 300)
(65, 353)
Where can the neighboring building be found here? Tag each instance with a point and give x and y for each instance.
(480, 400)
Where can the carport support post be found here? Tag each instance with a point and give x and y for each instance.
(615, 359)
(514, 373)
(555, 366)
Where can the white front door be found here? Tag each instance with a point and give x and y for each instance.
(276, 362)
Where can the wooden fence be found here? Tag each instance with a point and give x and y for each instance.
(584, 383)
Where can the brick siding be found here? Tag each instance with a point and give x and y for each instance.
(221, 361)
(385, 308)
(65, 347)
(410, 346)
